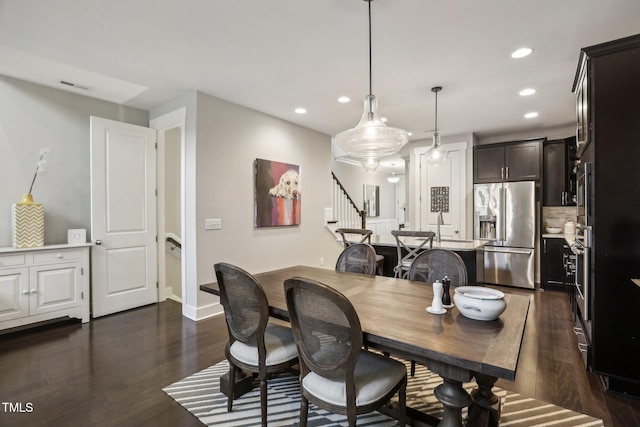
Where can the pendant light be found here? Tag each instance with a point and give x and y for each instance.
(436, 155)
(371, 139)
(393, 178)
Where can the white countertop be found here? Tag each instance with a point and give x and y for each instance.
(570, 238)
(456, 245)
(9, 249)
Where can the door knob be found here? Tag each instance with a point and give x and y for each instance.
(98, 242)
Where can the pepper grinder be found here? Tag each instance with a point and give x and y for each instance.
(446, 296)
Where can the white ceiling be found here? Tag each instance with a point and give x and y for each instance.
(276, 55)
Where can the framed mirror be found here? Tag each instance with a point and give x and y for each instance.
(371, 200)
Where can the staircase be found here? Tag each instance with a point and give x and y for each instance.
(346, 213)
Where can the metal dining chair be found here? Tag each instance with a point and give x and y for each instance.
(352, 236)
(336, 374)
(409, 245)
(255, 345)
(357, 258)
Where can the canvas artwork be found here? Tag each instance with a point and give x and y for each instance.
(277, 194)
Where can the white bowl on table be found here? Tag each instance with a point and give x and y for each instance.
(479, 303)
(553, 230)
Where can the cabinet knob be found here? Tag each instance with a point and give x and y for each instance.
(98, 242)
(34, 291)
(25, 292)
(59, 256)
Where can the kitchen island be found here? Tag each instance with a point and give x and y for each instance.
(469, 250)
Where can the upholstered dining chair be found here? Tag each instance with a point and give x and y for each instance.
(351, 236)
(435, 264)
(336, 374)
(409, 244)
(255, 345)
(357, 258)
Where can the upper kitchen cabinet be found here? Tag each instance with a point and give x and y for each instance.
(510, 161)
(559, 175)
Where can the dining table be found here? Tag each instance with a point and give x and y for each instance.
(394, 320)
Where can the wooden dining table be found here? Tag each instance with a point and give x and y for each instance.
(394, 320)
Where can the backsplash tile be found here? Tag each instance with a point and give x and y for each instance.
(556, 216)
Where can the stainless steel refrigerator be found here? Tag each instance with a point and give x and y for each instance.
(505, 216)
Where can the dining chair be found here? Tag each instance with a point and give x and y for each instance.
(357, 258)
(360, 235)
(409, 245)
(255, 345)
(435, 264)
(336, 374)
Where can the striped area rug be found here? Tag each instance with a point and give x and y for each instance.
(200, 395)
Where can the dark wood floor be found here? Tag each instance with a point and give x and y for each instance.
(110, 372)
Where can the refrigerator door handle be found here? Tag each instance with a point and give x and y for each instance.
(503, 211)
(509, 250)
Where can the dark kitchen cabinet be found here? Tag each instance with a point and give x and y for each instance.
(558, 172)
(511, 161)
(608, 74)
(555, 266)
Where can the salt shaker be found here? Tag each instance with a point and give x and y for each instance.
(436, 305)
(446, 296)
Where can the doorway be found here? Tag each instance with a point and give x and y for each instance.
(170, 182)
(442, 188)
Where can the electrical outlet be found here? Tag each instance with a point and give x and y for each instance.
(213, 224)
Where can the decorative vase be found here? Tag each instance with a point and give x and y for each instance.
(28, 223)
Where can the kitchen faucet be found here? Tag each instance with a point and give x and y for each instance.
(439, 223)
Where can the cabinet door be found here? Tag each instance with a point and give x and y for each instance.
(488, 164)
(522, 161)
(553, 272)
(554, 176)
(55, 287)
(14, 293)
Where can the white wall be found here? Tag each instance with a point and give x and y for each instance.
(223, 141)
(34, 117)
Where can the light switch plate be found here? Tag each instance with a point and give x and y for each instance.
(213, 224)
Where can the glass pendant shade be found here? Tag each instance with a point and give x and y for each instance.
(436, 155)
(371, 137)
(393, 178)
(370, 164)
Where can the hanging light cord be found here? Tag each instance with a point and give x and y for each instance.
(370, 63)
(436, 111)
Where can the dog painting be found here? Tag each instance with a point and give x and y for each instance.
(277, 194)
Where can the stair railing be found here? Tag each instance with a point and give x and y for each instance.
(346, 213)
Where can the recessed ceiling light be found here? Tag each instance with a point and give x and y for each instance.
(522, 52)
(531, 115)
(409, 133)
(344, 99)
(300, 110)
(527, 92)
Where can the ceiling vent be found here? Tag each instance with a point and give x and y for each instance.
(74, 85)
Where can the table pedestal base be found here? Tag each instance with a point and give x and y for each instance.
(451, 393)
(486, 407)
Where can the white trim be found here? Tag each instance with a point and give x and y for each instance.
(163, 123)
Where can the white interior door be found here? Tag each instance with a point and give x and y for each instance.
(447, 183)
(123, 216)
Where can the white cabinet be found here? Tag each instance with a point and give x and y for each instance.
(43, 284)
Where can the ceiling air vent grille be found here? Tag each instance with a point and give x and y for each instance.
(74, 85)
